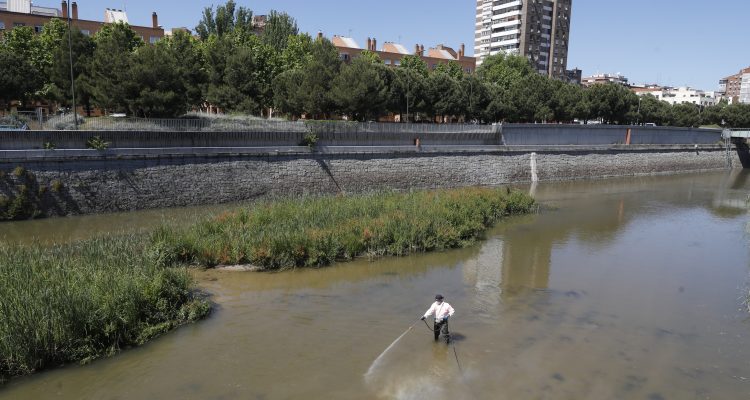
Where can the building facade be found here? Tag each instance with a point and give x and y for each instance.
(17, 13)
(681, 95)
(393, 53)
(536, 29)
(604, 78)
(736, 88)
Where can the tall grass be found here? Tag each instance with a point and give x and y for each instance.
(314, 232)
(81, 301)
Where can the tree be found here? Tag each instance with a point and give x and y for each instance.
(59, 71)
(685, 114)
(407, 92)
(652, 110)
(443, 95)
(228, 19)
(452, 69)
(297, 52)
(318, 74)
(111, 65)
(23, 72)
(566, 100)
(190, 65)
(737, 115)
(611, 102)
(159, 90)
(288, 98)
(415, 64)
(361, 90)
(504, 69)
(279, 28)
(14, 76)
(529, 99)
(249, 76)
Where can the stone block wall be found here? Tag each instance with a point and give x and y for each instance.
(93, 185)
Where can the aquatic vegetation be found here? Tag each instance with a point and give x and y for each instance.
(316, 231)
(81, 301)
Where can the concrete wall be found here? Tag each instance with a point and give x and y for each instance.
(587, 135)
(505, 135)
(102, 183)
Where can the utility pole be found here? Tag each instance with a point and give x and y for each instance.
(70, 57)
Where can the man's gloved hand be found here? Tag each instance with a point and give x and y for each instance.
(423, 318)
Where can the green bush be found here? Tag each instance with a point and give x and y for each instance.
(56, 185)
(97, 143)
(19, 171)
(314, 232)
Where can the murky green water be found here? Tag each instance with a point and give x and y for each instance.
(621, 289)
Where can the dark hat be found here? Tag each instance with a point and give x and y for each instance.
(438, 297)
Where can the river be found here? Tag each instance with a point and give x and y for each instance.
(618, 289)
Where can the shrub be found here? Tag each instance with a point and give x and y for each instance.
(56, 185)
(19, 171)
(49, 146)
(97, 143)
(310, 140)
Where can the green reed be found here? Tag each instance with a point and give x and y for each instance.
(316, 231)
(77, 302)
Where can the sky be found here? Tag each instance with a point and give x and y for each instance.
(669, 42)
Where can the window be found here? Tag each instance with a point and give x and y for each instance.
(397, 62)
(154, 39)
(344, 57)
(387, 61)
(2, 26)
(17, 24)
(86, 32)
(38, 29)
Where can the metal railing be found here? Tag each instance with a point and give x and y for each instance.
(246, 124)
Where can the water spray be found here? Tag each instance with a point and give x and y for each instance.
(377, 360)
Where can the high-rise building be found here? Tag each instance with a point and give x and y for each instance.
(537, 29)
(736, 88)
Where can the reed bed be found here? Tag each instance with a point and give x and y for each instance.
(81, 301)
(314, 232)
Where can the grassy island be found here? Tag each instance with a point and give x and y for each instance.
(316, 231)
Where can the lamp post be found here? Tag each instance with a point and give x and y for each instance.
(638, 117)
(70, 57)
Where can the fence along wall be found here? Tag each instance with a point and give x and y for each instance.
(350, 134)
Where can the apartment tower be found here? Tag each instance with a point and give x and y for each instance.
(537, 29)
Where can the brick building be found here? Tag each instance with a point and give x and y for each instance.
(16, 13)
(732, 87)
(393, 53)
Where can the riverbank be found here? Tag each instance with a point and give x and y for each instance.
(316, 231)
(78, 302)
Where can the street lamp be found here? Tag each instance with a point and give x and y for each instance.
(70, 57)
(638, 117)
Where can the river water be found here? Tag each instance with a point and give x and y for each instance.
(617, 289)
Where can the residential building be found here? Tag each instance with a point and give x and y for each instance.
(392, 53)
(16, 13)
(604, 78)
(680, 95)
(731, 86)
(536, 29)
(259, 23)
(574, 75)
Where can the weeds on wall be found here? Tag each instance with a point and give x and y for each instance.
(97, 143)
(24, 200)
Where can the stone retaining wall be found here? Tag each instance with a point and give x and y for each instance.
(105, 184)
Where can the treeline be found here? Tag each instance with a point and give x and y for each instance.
(281, 72)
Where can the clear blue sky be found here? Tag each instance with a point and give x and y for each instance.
(671, 42)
